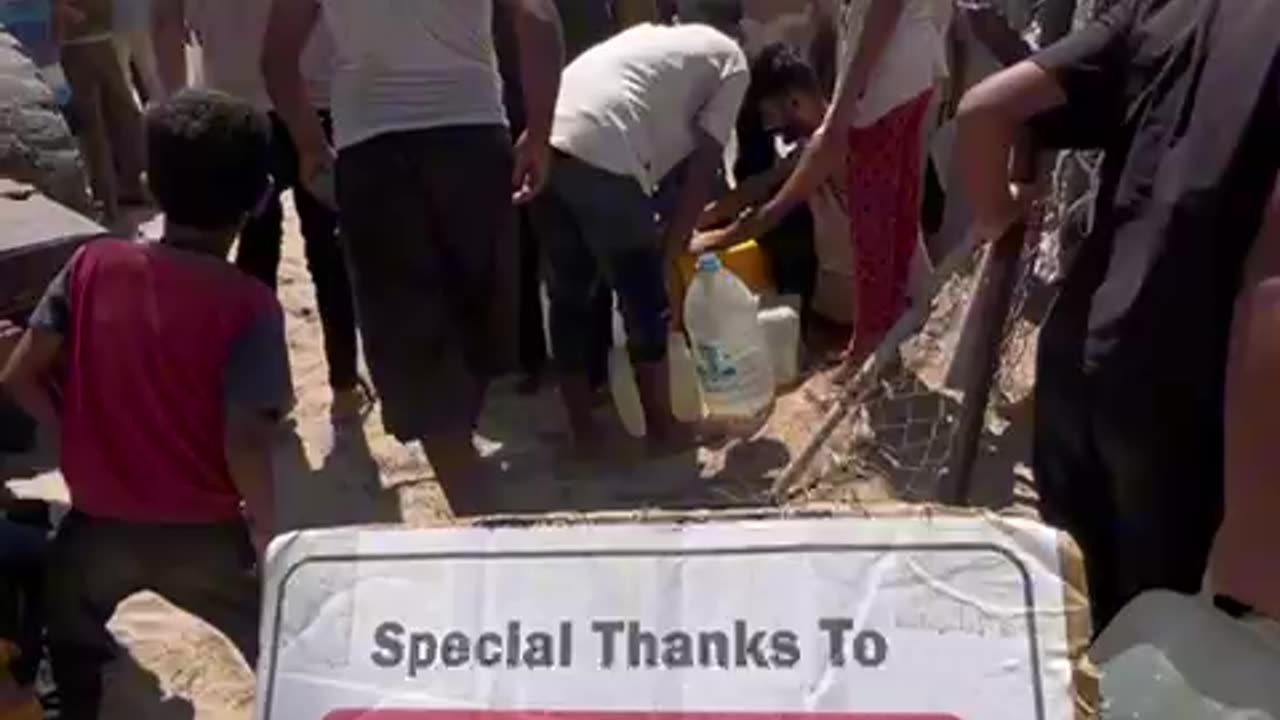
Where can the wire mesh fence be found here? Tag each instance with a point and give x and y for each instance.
(896, 436)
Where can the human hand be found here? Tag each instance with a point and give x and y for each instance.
(711, 241)
(991, 225)
(532, 168)
(316, 171)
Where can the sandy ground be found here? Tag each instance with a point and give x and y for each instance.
(177, 668)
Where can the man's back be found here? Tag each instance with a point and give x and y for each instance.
(412, 65)
(156, 337)
(631, 105)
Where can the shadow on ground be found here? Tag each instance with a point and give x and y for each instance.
(337, 484)
(526, 440)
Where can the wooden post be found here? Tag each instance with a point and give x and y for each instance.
(991, 304)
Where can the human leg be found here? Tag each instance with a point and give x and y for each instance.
(333, 289)
(123, 121)
(209, 571)
(258, 252)
(574, 286)
(82, 78)
(884, 198)
(169, 37)
(599, 334)
(533, 347)
(637, 275)
(93, 566)
(615, 221)
(910, 251)
(143, 54)
(473, 225)
(124, 54)
(319, 224)
(1071, 480)
(422, 240)
(1161, 445)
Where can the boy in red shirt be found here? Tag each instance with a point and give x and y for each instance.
(176, 372)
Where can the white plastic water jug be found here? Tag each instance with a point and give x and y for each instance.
(729, 344)
(780, 318)
(686, 402)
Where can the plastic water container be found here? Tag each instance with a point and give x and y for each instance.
(1175, 657)
(780, 318)
(686, 396)
(729, 345)
(686, 400)
(746, 260)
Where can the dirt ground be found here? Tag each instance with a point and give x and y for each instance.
(176, 668)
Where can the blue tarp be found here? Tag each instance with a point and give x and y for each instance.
(28, 21)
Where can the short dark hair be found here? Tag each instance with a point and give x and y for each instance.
(724, 15)
(779, 70)
(208, 158)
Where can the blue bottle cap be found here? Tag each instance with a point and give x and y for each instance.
(708, 262)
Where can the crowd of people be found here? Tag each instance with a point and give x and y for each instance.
(450, 158)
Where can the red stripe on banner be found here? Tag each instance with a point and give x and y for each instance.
(616, 715)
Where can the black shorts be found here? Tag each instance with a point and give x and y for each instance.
(428, 228)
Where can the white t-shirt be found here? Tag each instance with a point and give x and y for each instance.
(631, 105)
(913, 61)
(231, 34)
(412, 65)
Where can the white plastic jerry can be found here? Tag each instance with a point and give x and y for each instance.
(730, 348)
(686, 401)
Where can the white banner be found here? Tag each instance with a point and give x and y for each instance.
(859, 618)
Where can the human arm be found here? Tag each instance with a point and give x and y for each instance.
(248, 452)
(540, 43)
(29, 376)
(699, 175)
(825, 150)
(760, 220)
(826, 42)
(29, 372)
(289, 27)
(1069, 95)
(749, 193)
(713, 126)
(1243, 565)
(991, 120)
(257, 393)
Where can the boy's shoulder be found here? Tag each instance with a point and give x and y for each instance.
(207, 278)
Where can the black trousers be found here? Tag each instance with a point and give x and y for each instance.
(259, 255)
(1128, 460)
(94, 565)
